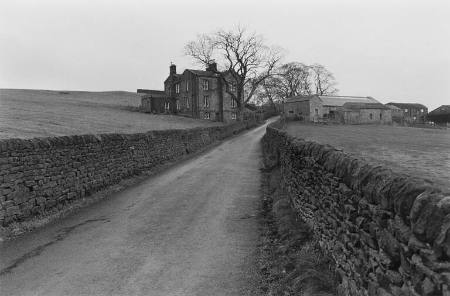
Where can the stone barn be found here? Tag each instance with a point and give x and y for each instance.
(364, 113)
(317, 108)
(412, 112)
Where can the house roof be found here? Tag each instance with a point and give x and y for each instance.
(335, 101)
(152, 92)
(201, 72)
(359, 106)
(407, 105)
(442, 110)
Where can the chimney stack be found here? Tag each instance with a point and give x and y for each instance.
(212, 67)
(173, 69)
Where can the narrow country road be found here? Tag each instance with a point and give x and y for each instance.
(190, 230)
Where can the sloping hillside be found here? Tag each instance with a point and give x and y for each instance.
(42, 113)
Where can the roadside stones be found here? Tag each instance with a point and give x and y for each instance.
(47, 173)
(388, 234)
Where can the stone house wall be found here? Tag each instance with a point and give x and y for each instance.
(387, 233)
(45, 173)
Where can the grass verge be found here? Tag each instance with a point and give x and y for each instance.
(291, 262)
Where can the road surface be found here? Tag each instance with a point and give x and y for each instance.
(190, 230)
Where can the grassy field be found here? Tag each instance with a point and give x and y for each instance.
(418, 152)
(43, 113)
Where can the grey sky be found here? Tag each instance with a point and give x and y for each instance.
(391, 50)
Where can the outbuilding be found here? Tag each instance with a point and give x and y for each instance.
(365, 113)
(440, 116)
(317, 108)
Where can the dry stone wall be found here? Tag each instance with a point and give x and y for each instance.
(40, 174)
(388, 234)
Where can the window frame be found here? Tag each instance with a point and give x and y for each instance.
(233, 115)
(233, 103)
(205, 101)
(205, 84)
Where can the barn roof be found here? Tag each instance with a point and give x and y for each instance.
(335, 101)
(359, 106)
(392, 107)
(443, 110)
(407, 105)
(339, 101)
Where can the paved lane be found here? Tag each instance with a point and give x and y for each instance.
(189, 231)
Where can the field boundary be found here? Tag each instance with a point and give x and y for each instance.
(387, 234)
(45, 175)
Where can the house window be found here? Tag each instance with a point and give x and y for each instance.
(233, 103)
(187, 102)
(421, 110)
(233, 116)
(381, 116)
(178, 105)
(187, 85)
(406, 110)
(205, 101)
(166, 106)
(371, 116)
(205, 85)
(206, 115)
(233, 86)
(316, 111)
(177, 88)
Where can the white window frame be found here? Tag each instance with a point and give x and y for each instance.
(233, 103)
(177, 88)
(178, 105)
(207, 115)
(187, 85)
(205, 101)
(233, 115)
(232, 86)
(167, 106)
(187, 102)
(205, 84)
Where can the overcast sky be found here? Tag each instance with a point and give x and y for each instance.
(391, 50)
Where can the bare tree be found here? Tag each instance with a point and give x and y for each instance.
(291, 79)
(323, 80)
(243, 59)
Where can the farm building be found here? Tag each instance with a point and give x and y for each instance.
(360, 113)
(158, 104)
(397, 113)
(317, 108)
(412, 112)
(440, 116)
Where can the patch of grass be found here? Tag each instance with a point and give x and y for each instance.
(27, 113)
(417, 152)
(291, 261)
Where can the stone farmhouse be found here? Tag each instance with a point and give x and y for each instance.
(412, 112)
(339, 109)
(194, 93)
